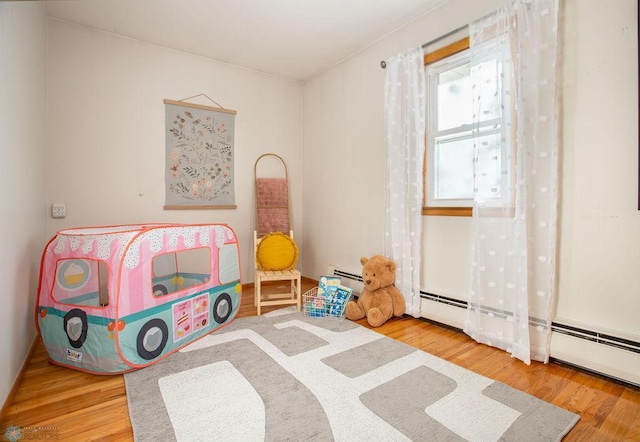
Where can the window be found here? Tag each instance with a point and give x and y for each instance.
(176, 271)
(81, 282)
(449, 159)
(454, 125)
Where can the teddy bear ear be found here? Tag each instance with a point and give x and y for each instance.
(363, 260)
(392, 266)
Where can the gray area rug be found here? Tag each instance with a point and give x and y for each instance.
(288, 377)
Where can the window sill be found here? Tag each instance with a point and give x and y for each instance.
(447, 211)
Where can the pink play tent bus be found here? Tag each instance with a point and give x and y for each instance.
(114, 299)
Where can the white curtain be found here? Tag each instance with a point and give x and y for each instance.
(405, 104)
(513, 73)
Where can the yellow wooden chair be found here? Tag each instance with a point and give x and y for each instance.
(290, 296)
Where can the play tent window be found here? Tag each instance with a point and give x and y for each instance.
(173, 272)
(81, 282)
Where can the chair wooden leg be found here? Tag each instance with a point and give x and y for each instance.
(256, 288)
(298, 289)
(255, 292)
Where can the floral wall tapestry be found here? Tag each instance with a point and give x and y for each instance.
(199, 156)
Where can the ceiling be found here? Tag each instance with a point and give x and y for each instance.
(295, 39)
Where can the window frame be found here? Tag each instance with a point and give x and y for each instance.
(429, 58)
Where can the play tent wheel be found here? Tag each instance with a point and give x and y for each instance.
(159, 290)
(222, 308)
(76, 327)
(152, 338)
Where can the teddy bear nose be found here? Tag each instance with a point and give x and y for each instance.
(368, 281)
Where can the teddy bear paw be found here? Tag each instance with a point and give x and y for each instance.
(375, 317)
(353, 311)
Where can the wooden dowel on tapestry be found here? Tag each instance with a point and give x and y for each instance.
(200, 106)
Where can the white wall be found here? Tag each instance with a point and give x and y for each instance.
(600, 224)
(22, 143)
(105, 156)
(344, 152)
(599, 282)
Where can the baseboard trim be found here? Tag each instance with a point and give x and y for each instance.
(18, 380)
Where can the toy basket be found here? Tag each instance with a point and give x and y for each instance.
(318, 306)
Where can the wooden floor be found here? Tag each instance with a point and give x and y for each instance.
(76, 406)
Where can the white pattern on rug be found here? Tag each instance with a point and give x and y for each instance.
(238, 408)
(347, 415)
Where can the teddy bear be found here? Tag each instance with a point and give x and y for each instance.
(379, 299)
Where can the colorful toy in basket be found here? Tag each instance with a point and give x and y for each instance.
(328, 284)
(316, 306)
(339, 300)
(328, 299)
(114, 299)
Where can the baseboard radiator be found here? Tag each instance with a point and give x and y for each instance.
(348, 278)
(576, 332)
(354, 280)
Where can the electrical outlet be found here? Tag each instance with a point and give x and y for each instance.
(58, 210)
